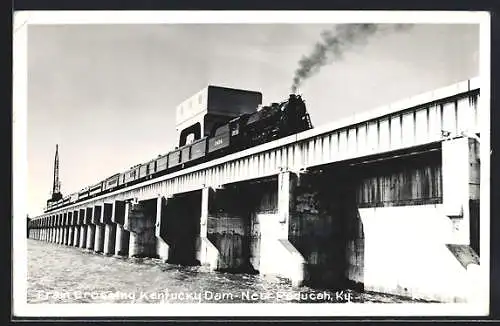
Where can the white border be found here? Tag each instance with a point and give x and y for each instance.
(24, 18)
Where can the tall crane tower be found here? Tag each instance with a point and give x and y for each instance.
(56, 186)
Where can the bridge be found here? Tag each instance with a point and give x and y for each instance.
(370, 201)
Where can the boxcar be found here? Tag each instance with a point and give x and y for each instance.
(185, 154)
(143, 171)
(174, 158)
(95, 189)
(84, 193)
(111, 182)
(152, 167)
(66, 200)
(131, 175)
(73, 198)
(220, 140)
(161, 163)
(198, 149)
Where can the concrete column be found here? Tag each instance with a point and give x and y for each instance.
(99, 229)
(140, 219)
(109, 229)
(274, 236)
(109, 239)
(70, 235)
(60, 223)
(122, 241)
(69, 242)
(76, 229)
(460, 175)
(122, 235)
(76, 235)
(83, 228)
(162, 247)
(207, 253)
(83, 236)
(90, 236)
(65, 229)
(56, 228)
(65, 235)
(90, 228)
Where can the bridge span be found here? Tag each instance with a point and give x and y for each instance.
(387, 200)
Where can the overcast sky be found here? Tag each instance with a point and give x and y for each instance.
(107, 93)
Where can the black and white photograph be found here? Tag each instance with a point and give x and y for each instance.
(239, 163)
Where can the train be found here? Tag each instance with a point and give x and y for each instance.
(266, 123)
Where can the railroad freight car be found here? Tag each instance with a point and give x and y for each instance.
(216, 131)
(95, 189)
(131, 175)
(111, 182)
(83, 194)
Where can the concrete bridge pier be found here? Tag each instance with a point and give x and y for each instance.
(48, 228)
(162, 247)
(140, 220)
(76, 228)
(59, 229)
(99, 229)
(90, 228)
(82, 218)
(109, 229)
(56, 228)
(66, 228)
(274, 231)
(207, 252)
(122, 236)
(64, 231)
(51, 230)
(70, 229)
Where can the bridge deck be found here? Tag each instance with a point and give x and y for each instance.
(415, 121)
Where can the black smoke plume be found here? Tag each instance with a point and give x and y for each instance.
(334, 43)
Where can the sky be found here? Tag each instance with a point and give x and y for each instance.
(107, 93)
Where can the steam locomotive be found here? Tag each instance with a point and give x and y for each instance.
(268, 123)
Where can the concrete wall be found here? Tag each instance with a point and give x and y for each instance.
(406, 253)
